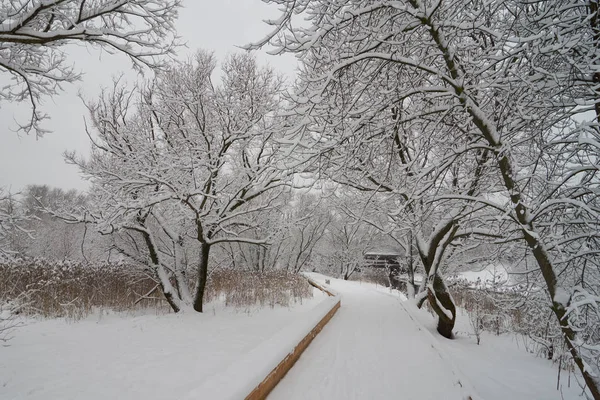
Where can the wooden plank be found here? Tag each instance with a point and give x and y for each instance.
(321, 288)
(268, 384)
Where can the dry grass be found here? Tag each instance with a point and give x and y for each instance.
(501, 311)
(243, 288)
(76, 290)
(378, 276)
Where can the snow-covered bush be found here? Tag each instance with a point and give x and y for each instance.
(513, 309)
(9, 315)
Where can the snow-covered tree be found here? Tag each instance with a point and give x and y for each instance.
(7, 222)
(13, 225)
(508, 80)
(296, 228)
(185, 161)
(33, 34)
(51, 238)
(306, 223)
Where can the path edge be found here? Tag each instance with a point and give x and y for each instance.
(263, 389)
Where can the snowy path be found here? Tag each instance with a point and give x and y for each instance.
(370, 349)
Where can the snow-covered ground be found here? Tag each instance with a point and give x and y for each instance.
(144, 357)
(377, 346)
(500, 367)
(250, 369)
(370, 350)
(490, 274)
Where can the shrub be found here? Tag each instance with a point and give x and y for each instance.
(74, 290)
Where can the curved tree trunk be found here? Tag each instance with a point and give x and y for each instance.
(441, 302)
(520, 209)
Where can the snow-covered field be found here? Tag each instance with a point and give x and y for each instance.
(490, 275)
(377, 346)
(135, 357)
(496, 274)
(500, 367)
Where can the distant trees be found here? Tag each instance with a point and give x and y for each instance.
(305, 224)
(11, 224)
(33, 34)
(52, 238)
(295, 229)
(348, 242)
(496, 102)
(348, 236)
(184, 161)
(30, 229)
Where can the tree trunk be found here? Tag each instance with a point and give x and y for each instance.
(521, 211)
(440, 296)
(181, 282)
(163, 279)
(438, 290)
(410, 286)
(167, 289)
(595, 24)
(433, 288)
(202, 277)
(182, 287)
(538, 248)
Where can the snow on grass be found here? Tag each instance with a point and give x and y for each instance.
(500, 367)
(491, 274)
(140, 357)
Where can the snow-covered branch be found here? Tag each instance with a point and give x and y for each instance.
(33, 34)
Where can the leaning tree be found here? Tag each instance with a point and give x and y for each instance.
(513, 80)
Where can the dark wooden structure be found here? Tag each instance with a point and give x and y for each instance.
(375, 259)
(388, 259)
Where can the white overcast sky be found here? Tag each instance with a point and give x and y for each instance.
(218, 25)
